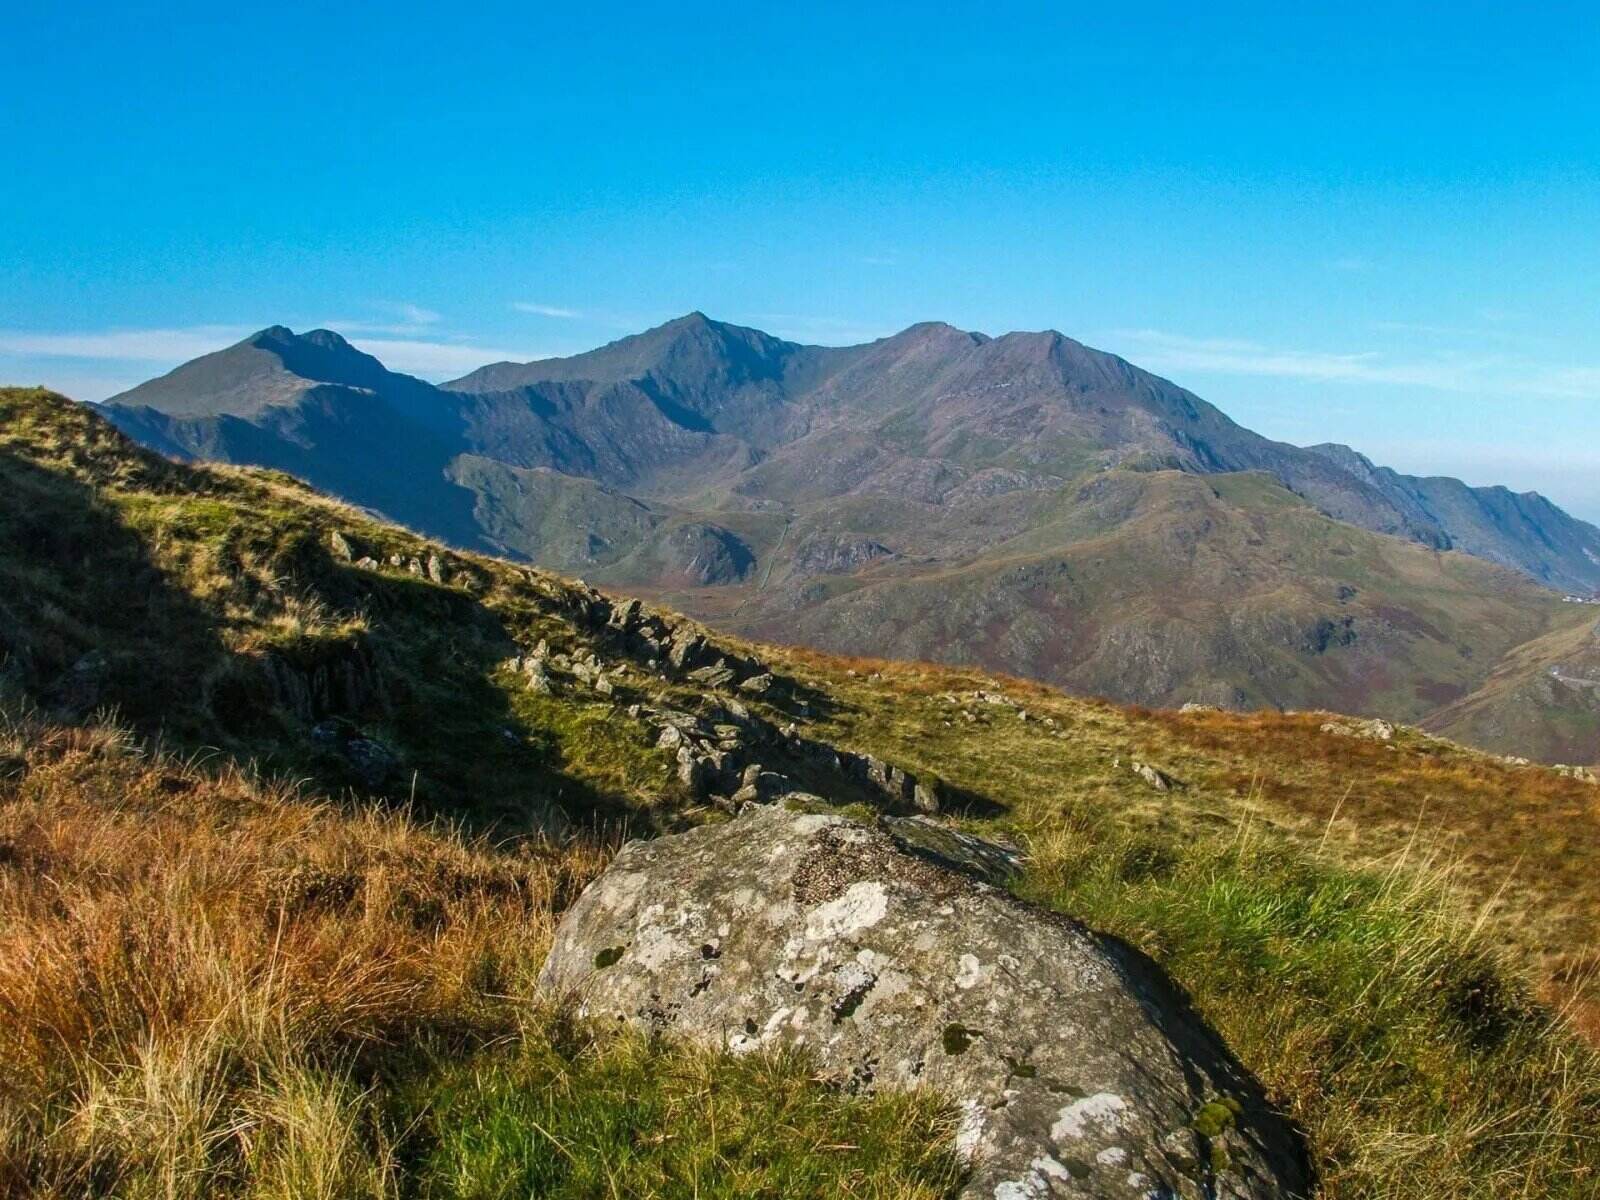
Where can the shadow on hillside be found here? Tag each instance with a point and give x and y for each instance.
(964, 802)
(477, 759)
(87, 621)
(402, 712)
(1225, 1078)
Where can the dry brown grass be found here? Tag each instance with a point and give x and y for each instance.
(197, 968)
(1524, 840)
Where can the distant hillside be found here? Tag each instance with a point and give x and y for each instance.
(218, 983)
(1023, 503)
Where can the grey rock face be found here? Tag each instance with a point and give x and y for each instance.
(1077, 1069)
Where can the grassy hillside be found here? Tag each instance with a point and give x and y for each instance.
(216, 983)
(1543, 696)
(1163, 587)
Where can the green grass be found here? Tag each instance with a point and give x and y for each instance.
(1417, 1064)
(570, 1118)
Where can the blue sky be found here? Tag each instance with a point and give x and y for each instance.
(1372, 224)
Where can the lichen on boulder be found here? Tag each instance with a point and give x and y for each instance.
(1075, 1067)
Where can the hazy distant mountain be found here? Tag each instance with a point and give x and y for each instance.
(1022, 501)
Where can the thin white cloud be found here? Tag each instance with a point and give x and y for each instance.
(77, 385)
(411, 314)
(123, 345)
(405, 320)
(1476, 374)
(438, 360)
(147, 352)
(546, 310)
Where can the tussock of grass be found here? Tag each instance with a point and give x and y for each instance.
(1392, 1030)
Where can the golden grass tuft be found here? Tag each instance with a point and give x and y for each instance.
(196, 966)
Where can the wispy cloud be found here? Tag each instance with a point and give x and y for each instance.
(412, 314)
(438, 360)
(1449, 372)
(401, 319)
(124, 345)
(77, 362)
(546, 310)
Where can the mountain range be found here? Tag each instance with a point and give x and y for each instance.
(1024, 503)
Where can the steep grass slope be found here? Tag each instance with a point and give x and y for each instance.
(218, 984)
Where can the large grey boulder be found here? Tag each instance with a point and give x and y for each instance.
(1077, 1069)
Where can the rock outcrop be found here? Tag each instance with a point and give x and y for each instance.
(1077, 1069)
(1372, 730)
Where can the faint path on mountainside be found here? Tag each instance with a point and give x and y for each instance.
(771, 562)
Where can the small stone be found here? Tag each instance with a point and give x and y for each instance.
(373, 761)
(691, 773)
(436, 571)
(341, 547)
(757, 685)
(625, 613)
(716, 675)
(1154, 776)
(686, 649)
(770, 785)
